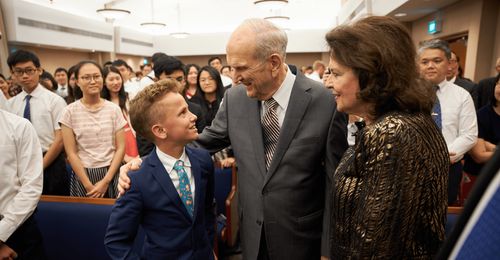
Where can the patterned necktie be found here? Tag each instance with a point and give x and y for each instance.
(436, 111)
(271, 129)
(184, 187)
(27, 108)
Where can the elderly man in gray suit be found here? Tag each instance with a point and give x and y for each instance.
(286, 138)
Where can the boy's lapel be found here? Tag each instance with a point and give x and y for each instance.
(162, 177)
(196, 172)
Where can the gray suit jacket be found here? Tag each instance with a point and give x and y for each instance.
(289, 199)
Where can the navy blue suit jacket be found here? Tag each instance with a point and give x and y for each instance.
(153, 203)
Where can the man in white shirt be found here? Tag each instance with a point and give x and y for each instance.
(319, 70)
(61, 76)
(216, 62)
(21, 186)
(150, 77)
(131, 86)
(454, 113)
(43, 108)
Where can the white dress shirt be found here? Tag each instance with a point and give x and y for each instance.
(62, 90)
(315, 76)
(169, 162)
(226, 81)
(132, 87)
(3, 100)
(458, 115)
(46, 109)
(147, 80)
(282, 97)
(21, 177)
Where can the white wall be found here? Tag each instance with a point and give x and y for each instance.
(13, 10)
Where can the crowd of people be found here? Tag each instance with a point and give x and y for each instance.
(331, 161)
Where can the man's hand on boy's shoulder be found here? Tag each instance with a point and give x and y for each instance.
(124, 180)
(6, 252)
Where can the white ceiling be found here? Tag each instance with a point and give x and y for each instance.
(202, 16)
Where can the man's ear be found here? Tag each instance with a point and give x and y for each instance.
(159, 131)
(276, 63)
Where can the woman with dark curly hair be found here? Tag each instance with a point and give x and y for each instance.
(389, 199)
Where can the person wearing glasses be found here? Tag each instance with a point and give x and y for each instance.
(94, 136)
(43, 108)
(455, 76)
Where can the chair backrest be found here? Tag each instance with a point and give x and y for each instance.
(223, 182)
(74, 228)
(477, 233)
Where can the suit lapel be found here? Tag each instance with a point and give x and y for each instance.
(297, 106)
(255, 129)
(163, 179)
(196, 172)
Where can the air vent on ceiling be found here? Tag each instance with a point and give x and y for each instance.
(136, 42)
(60, 28)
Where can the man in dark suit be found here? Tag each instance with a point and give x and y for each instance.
(454, 76)
(282, 188)
(287, 140)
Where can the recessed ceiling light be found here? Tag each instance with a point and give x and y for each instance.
(401, 14)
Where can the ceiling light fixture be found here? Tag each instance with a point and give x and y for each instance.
(280, 21)
(112, 13)
(180, 34)
(270, 4)
(400, 15)
(153, 27)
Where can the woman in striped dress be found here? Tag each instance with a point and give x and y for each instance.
(93, 136)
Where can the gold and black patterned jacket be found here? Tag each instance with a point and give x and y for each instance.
(390, 191)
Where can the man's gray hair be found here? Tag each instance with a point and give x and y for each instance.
(269, 38)
(435, 44)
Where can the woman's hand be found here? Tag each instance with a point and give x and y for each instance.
(99, 189)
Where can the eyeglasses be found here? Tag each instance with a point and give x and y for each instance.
(178, 79)
(89, 78)
(19, 72)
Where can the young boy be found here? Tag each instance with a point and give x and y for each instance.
(171, 196)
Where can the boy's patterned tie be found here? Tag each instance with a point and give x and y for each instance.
(184, 187)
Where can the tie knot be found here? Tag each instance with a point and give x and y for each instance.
(28, 97)
(436, 88)
(178, 165)
(271, 103)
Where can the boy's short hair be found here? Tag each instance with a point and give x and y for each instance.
(144, 109)
(61, 69)
(20, 56)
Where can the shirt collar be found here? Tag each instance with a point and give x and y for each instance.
(443, 84)
(169, 161)
(35, 93)
(282, 95)
(452, 80)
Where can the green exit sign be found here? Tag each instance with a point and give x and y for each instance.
(434, 27)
